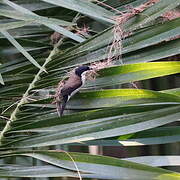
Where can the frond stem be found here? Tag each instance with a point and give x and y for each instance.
(25, 96)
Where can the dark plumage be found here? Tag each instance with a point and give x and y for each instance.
(71, 86)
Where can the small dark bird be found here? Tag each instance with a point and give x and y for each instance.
(71, 86)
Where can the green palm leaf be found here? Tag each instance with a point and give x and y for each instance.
(120, 169)
(106, 112)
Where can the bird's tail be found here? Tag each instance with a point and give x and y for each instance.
(61, 106)
(58, 108)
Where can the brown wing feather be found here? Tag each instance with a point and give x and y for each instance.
(73, 83)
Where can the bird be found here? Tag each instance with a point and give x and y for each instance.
(72, 86)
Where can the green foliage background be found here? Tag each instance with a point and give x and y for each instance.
(103, 113)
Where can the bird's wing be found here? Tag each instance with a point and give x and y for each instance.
(70, 88)
(71, 85)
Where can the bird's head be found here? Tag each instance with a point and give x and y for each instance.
(80, 70)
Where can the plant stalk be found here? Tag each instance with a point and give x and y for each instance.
(31, 86)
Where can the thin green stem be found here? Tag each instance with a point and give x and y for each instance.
(25, 96)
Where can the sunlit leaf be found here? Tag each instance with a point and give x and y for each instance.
(156, 160)
(97, 125)
(99, 166)
(104, 113)
(134, 72)
(160, 135)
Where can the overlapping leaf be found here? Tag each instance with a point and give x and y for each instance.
(153, 136)
(127, 117)
(85, 7)
(96, 48)
(96, 125)
(98, 166)
(9, 170)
